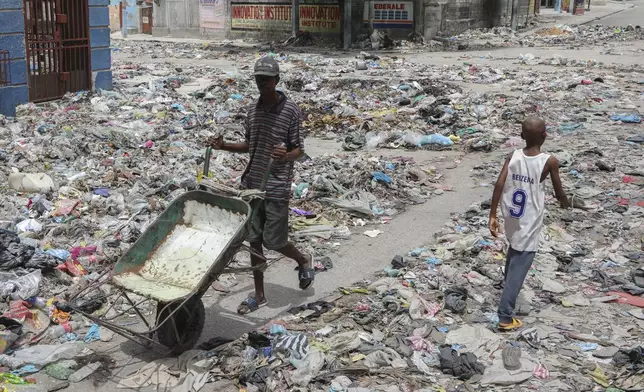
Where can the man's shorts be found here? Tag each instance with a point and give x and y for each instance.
(269, 224)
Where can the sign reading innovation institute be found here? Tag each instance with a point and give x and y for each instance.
(277, 17)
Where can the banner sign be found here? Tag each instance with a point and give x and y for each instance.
(212, 14)
(320, 18)
(258, 16)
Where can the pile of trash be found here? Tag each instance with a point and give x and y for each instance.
(578, 36)
(428, 322)
(360, 186)
(84, 176)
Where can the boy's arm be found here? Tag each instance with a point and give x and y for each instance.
(495, 228)
(553, 168)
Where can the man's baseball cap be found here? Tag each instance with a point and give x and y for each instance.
(266, 66)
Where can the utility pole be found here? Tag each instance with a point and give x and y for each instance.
(295, 16)
(124, 18)
(571, 7)
(513, 17)
(346, 24)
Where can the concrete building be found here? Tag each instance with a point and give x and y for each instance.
(47, 54)
(132, 16)
(334, 20)
(176, 18)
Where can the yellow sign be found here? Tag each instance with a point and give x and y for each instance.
(320, 18)
(253, 16)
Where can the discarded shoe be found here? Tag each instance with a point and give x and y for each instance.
(531, 336)
(511, 355)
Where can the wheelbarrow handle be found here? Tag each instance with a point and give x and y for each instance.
(206, 163)
(267, 173)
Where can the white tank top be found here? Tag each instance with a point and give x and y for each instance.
(522, 203)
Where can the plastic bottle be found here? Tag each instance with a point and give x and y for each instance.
(37, 302)
(61, 329)
(86, 261)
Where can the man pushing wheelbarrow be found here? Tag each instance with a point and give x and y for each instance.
(272, 131)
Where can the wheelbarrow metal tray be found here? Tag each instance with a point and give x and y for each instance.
(185, 248)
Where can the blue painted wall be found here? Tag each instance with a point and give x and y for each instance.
(12, 39)
(99, 33)
(132, 16)
(132, 12)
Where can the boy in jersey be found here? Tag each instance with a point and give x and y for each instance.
(521, 191)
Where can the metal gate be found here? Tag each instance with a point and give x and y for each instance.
(5, 78)
(58, 53)
(146, 20)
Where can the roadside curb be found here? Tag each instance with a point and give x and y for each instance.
(630, 6)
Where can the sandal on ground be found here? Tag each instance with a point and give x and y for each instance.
(511, 355)
(306, 276)
(250, 305)
(515, 324)
(531, 336)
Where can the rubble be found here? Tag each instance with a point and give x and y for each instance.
(548, 36)
(86, 175)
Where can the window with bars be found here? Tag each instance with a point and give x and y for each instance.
(391, 15)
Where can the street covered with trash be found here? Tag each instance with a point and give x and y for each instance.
(391, 130)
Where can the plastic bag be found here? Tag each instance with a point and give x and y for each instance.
(527, 58)
(23, 287)
(435, 139)
(385, 358)
(417, 359)
(7, 338)
(99, 105)
(29, 225)
(351, 205)
(301, 190)
(345, 342)
(375, 139)
(412, 138)
(627, 118)
(381, 177)
(308, 368)
(61, 254)
(44, 354)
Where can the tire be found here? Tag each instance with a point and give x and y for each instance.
(189, 321)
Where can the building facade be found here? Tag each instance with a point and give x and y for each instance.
(334, 20)
(52, 48)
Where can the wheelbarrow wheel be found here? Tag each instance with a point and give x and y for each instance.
(182, 331)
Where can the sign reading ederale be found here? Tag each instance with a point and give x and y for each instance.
(389, 6)
(389, 14)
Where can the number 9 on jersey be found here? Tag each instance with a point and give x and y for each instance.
(519, 198)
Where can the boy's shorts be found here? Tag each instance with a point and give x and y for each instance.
(269, 224)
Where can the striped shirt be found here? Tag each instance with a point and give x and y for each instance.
(266, 129)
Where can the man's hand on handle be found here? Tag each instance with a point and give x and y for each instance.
(279, 153)
(216, 142)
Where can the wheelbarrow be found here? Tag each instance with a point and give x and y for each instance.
(173, 264)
